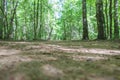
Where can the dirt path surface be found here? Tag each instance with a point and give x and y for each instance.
(49, 48)
(12, 54)
(85, 50)
(8, 52)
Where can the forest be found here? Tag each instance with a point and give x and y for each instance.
(59, 40)
(59, 19)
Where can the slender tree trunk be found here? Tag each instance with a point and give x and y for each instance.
(106, 14)
(10, 30)
(37, 16)
(41, 18)
(100, 19)
(50, 33)
(5, 19)
(110, 15)
(65, 36)
(16, 26)
(71, 25)
(1, 21)
(35, 33)
(25, 27)
(116, 27)
(1, 28)
(85, 23)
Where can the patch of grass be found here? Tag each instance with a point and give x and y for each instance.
(36, 53)
(18, 46)
(3, 44)
(104, 44)
(73, 70)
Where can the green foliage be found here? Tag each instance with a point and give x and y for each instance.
(60, 19)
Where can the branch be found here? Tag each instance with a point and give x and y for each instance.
(14, 11)
(2, 10)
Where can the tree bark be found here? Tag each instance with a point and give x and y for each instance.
(65, 35)
(110, 15)
(116, 27)
(41, 18)
(10, 30)
(3, 9)
(35, 33)
(85, 23)
(106, 14)
(100, 20)
(16, 26)
(1, 24)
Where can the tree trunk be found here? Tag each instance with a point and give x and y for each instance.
(16, 26)
(106, 15)
(100, 19)
(110, 15)
(50, 33)
(41, 18)
(35, 33)
(85, 23)
(5, 19)
(65, 35)
(116, 27)
(1, 21)
(37, 16)
(10, 29)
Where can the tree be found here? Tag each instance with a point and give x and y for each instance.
(41, 19)
(116, 27)
(59, 19)
(1, 21)
(12, 17)
(4, 19)
(106, 16)
(100, 19)
(85, 23)
(35, 28)
(110, 15)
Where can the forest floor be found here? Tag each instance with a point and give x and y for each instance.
(60, 60)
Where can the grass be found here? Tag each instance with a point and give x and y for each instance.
(72, 70)
(90, 44)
